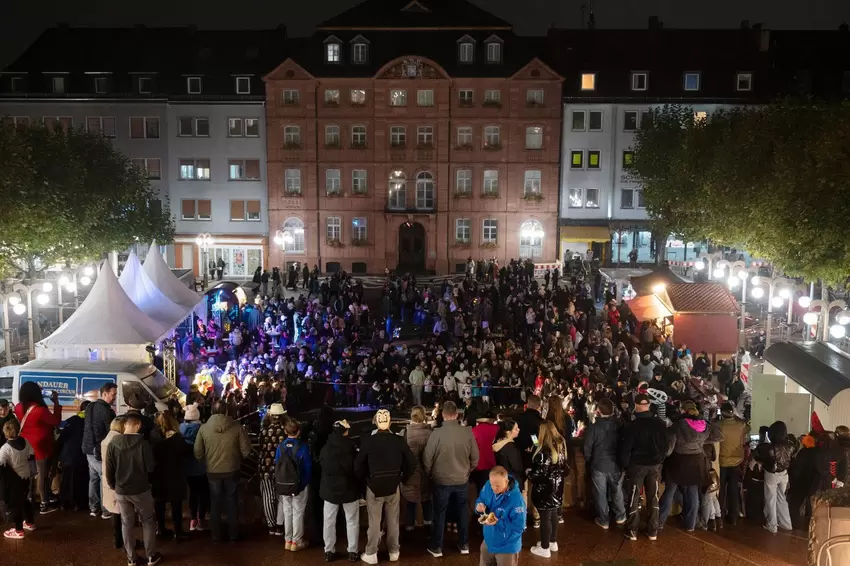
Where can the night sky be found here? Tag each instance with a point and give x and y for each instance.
(23, 20)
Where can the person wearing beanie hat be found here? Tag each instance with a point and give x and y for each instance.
(196, 472)
(339, 488)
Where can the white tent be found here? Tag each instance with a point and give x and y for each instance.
(107, 326)
(161, 275)
(148, 297)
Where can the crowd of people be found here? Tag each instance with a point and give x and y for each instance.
(508, 377)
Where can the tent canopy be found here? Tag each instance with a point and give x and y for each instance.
(648, 307)
(661, 275)
(148, 297)
(820, 368)
(164, 280)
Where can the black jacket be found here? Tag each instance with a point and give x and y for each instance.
(168, 481)
(600, 445)
(529, 423)
(99, 416)
(509, 457)
(128, 464)
(547, 479)
(643, 441)
(338, 484)
(775, 456)
(70, 440)
(383, 462)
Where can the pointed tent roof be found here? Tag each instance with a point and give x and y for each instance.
(107, 317)
(147, 296)
(161, 276)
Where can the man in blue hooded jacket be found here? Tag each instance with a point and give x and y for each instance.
(502, 510)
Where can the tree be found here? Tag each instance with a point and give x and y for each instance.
(70, 197)
(774, 180)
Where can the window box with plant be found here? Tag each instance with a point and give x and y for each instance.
(489, 245)
(490, 195)
(463, 194)
(292, 194)
(462, 244)
(398, 145)
(334, 243)
(333, 145)
(492, 146)
(359, 242)
(464, 147)
(536, 197)
(333, 193)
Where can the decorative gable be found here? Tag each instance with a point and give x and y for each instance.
(467, 39)
(536, 70)
(416, 7)
(360, 39)
(411, 68)
(289, 70)
(493, 39)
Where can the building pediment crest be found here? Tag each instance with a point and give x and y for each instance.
(411, 68)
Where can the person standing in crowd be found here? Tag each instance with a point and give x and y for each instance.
(601, 441)
(548, 469)
(506, 452)
(271, 435)
(196, 472)
(222, 445)
(168, 481)
(6, 415)
(450, 456)
(417, 381)
(99, 415)
(417, 490)
(37, 427)
(643, 448)
(74, 477)
(15, 456)
(129, 462)
(339, 488)
(108, 500)
(384, 461)
(774, 456)
(736, 434)
(529, 424)
(484, 430)
(502, 508)
(293, 468)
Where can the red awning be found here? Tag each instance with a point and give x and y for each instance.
(648, 307)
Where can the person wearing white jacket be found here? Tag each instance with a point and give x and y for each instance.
(17, 455)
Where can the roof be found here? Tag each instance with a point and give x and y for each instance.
(373, 14)
(820, 368)
(661, 275)
(700, 298)
(148, 297)
(648, 307)
(109, 366)
(164, 280)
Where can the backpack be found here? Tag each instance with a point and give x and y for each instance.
(287, 471)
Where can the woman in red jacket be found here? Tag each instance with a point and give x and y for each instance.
(37, 426)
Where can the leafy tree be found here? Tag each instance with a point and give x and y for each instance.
(70, 196)
(774, 180)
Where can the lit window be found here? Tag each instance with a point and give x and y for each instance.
(463, 230)
(492, 97)
(744, 82)
(295, 227)
(491, 182)
(425, 97)
(628, 159)
(579, 124)
(494, 52)
(244, 169)
(575, 198)
(424, 191)
(243, 85)
(594, 158)
(534, 97)
(466, 52)
(531, 239)
(492, 137)
(332, 136)
(464, 136)
(193, 85)
(332, 97)
(292, 181)
(397, 188)
(533, 184)
(490, 231)
(588, 81)
(357, 96)
(334, 228)
(692, 81)
(591, 198)
(534, 137)
(359, 231)
(639, 81)
(291, 97)
(398, 97)
(332, 181)
(398, 136)
(576, 159)
(359, 182)
(194, 169)
(463, 183)
(332, 53)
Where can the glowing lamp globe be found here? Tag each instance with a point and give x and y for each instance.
(700, 265)
(757, 293)
(837, 331)
(42, 299)
(810, 318)
(777, 302)
(718, 273)
(804, 301)
(19, 308)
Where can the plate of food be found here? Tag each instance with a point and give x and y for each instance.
(489, 518)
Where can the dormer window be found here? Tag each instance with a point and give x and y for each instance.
(193, 85)
(494, 49)
(58, 85)
(333, 50)
(101, 85)
(18, 84)
(359, 50)
(145, 85)
(466, 52)
(692, 81)
(243, 85)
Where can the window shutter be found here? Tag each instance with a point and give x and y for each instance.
(252, 168)
(253, 208)
(204, 209)
(188, 208)
(137, 128)
(237, 210)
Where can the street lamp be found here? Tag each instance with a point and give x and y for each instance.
(70, 282)
(772, 283)
(204, 241)
(707, 260)
(42, 299)
(819, 313)
(18, 308)
(283, 238)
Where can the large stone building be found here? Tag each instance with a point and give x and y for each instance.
(412, 135)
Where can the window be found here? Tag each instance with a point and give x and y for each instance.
(17, 121)
(630, 120)
(292, 181)
(578, 124)
(252, 127)
(491, 182)
(357, 96)
(243, 85)
(144, 128)
(490, 231)
(576, 159)
(594, 158)
(358, 136)
(193, 127)
(640, 203)
(425, 97)
(463, 181)
(744, 82)
(65, 123)
(591, 198)
(295, 227)
(627, 198)
(575, 198)
(534, 97)
(397, 190)
(465, 97)
(196, 209)
(639, 81)
(492, 97)
(100, 125)
(531, 239)
(193, 85)
(398, 97)
(18, 84)
(359, 185)
(425, 136)
(533, 185)
(692, 81)
(291, 97)
(594, 121)
(424, 191)
(464, 136)
(333, 227)
(242, 210)
(243, 169)
(359, 53)
(332, 138)
(292, 136)
(494, 52)
(332, 181)
(194, 169)
(588, 81)
(466, 52)
(492, 137)
(463, 230)
(359, 232)
(58, 85)
(248, 127)
(534, 137)
(700, 116)
(398, 136)
(101, 85)
(628, 159)
(149, 166)
(332, 53)
(332, 97)
(145, 85)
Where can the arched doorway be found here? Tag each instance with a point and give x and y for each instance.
(411, 247)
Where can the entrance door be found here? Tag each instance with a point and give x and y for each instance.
(411, 247)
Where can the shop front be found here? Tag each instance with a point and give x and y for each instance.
(240, 256)
(581, 239)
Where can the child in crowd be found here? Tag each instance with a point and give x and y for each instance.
(16, 459)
